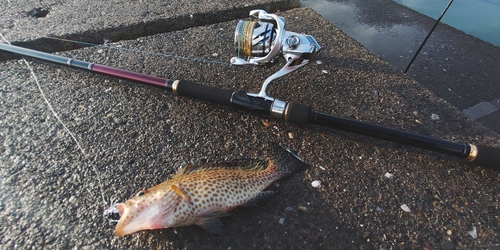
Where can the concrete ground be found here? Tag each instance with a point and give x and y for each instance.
(134, 136)
(461, 69)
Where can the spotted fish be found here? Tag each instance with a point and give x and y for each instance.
(199, 194)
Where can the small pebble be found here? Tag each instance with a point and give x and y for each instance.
(289, 209)
(215, 54)
(405, 208)
(290, 135)
(473, 232)
(388, 175)
(324, 71)
(266, 122)
(448, 232)
(315, 184)
(318, 62)
(434, 117)
(282, 220)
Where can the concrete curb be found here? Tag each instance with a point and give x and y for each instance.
(33, 32)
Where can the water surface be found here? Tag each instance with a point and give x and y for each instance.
(480, 18)
(394, 42)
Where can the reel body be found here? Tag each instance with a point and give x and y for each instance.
(262, 39)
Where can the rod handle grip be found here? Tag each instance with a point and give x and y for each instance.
(202, 92)
(487, 157)
(298, 114)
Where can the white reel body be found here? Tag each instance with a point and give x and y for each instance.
(264, 38)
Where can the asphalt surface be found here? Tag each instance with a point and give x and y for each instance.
(135, 136)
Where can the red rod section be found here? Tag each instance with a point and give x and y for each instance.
(131, 76)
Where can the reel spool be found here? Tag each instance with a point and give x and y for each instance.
(262, 39)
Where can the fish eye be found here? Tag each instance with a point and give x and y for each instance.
(140, 193)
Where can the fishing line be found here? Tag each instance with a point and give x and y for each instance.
(60, 121)
(110, 210)
(137, 51)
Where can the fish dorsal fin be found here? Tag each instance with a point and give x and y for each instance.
(245, 164)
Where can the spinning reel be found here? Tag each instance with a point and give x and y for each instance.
(262, 39)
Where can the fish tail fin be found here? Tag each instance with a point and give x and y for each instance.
(286, 162)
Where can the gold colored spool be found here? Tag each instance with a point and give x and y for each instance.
(246, 38)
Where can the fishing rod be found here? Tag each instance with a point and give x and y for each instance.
(428, 35)
(261, 40)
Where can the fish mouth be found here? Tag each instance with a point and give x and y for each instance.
(128, 223)
(120, 227)
(136, 217)
(120, 209)
(111, 213)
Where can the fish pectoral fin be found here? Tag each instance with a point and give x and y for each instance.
(179, 192)
(260, 197)
(212, 224)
